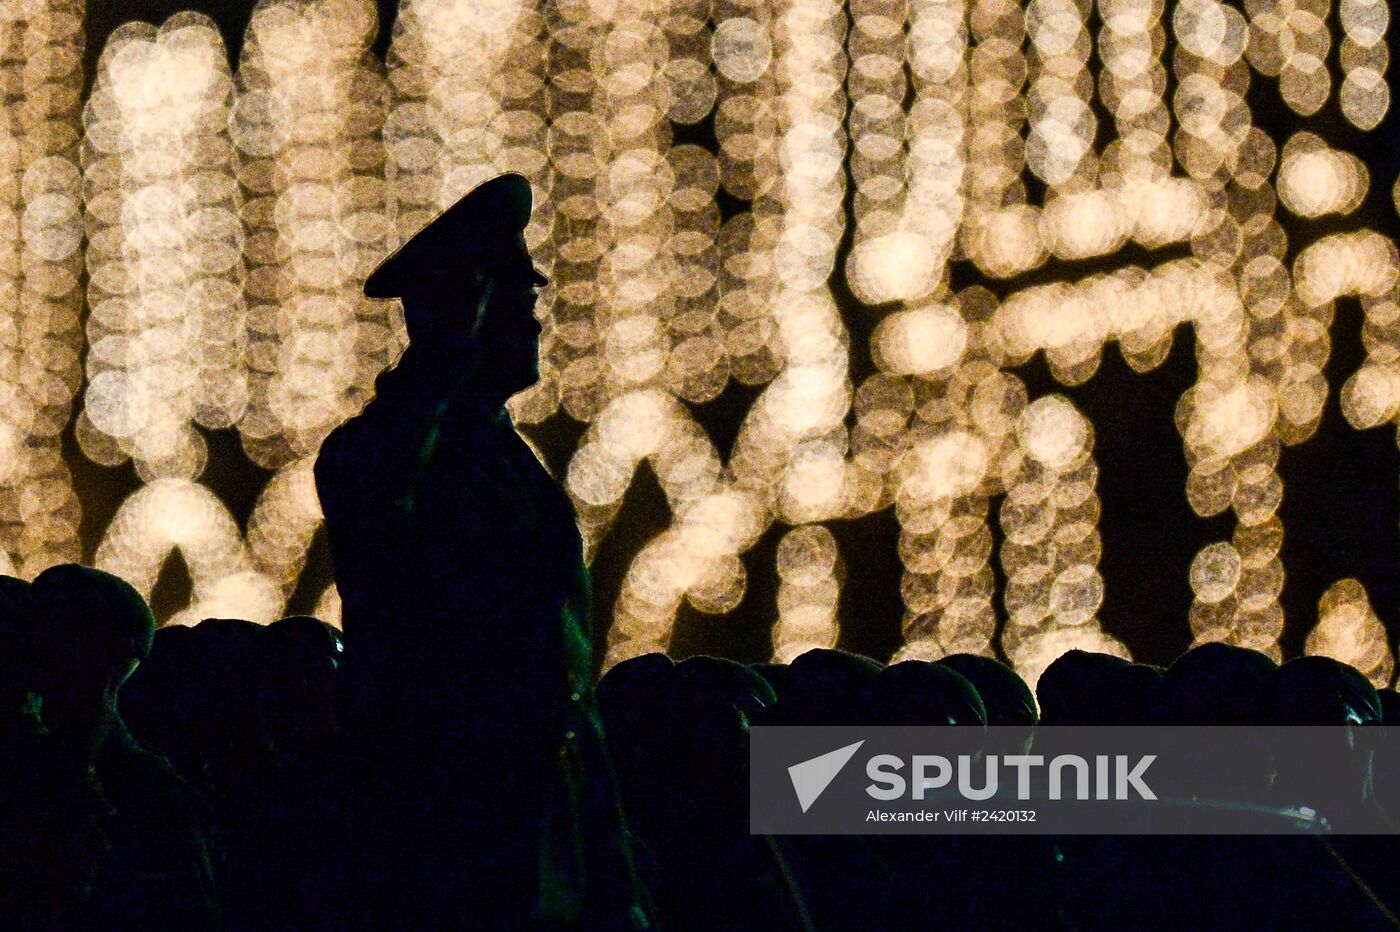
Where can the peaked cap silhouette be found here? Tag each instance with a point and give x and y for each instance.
(486, 226)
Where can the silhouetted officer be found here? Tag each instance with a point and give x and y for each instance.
(51, 840)
(92, 630)
(465, 598)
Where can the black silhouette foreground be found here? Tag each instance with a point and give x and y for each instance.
(283, 815)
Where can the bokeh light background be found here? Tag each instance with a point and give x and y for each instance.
(908, 326)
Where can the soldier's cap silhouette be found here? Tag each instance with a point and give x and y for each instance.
(485, 228)
(103, 609)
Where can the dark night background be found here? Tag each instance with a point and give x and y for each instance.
(1341, 507)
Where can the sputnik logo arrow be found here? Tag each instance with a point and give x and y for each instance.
(811, 777)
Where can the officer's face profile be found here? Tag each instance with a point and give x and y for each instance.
(506, 328)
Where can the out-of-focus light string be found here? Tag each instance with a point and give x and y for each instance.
(41, 48)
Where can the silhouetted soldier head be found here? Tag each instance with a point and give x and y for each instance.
(633, 693)
(469, 287)
(1217, 684)
(304, 655)
(1324, 691)
(164, 703)
(717, 699)
(730, 690)
(1320, 691)
(1074, 689)
(920, 693)
(1007, 698)
(827, 687)
(93, 629)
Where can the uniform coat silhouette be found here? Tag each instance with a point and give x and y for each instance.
(464, 593)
